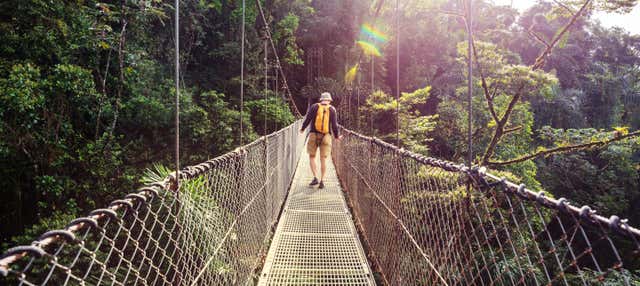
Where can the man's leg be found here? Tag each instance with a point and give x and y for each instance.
(323, 167)
(325, 152)
(312, 149)
(312, 162)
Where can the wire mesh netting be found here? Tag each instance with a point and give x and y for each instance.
(432, 222)
(212, 231)
(425, 222)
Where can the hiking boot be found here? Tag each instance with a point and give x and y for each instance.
(314, 182)
(321, 185)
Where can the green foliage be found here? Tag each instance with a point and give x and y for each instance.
(323, 84)
(285, 32)
(56, 220)
(224, 120)
(414, 127)
(274, 113)
(155, 173)
(19, 92)
(621, 6)
(87, 102)
(606, 178)
(505, 78)
(567, 137)
(506, 75)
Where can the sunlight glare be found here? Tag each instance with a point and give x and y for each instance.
(369, 48)
(372, 32)
(350, 76)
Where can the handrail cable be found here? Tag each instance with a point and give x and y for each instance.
(442, 229)
(402, 224)
(457, 226)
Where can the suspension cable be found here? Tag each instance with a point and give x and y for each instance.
(469, 79)
(397, 75)
(242, 73)
(275, 88)
(177, 82)
(358, 102)
(285, 86)
(372, 91)
(266, 82)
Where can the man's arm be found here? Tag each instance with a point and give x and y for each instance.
(333, 116)
(311, 113)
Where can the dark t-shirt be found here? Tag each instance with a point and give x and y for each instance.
(311, 116)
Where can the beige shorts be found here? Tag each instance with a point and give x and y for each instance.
(319, 140)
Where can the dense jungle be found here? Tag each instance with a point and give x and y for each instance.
(87, 94)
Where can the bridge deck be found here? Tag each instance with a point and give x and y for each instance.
(316, 242)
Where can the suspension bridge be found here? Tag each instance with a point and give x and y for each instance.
(387, 216)
(422, 221)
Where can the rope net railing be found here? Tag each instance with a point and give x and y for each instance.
(432, 222)
(212, 230)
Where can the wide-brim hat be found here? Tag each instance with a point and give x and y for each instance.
(325, 96)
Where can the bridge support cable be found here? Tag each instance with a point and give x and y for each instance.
(373, 84)
(266, 80)
(242, 43)
(276, 86)
(493, 232)
(469, 25)
(397, 16)
(177, 83)
(285, 85)
(209, 232)
(358, 102)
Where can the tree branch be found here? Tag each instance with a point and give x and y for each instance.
(539, 63)
(451, 13)
(497, 135)
(495, 91)
(563, 149)
(538, 38)
(543, 56)
(487, 95)
(512, 129)
(564, 6)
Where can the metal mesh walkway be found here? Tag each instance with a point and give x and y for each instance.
(316, 242)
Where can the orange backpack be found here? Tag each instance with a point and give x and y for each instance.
(322, 118)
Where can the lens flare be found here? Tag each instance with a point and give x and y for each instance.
(372, 32)
(369, 48)
(350, 76)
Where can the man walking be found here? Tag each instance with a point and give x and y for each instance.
(325, 119)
